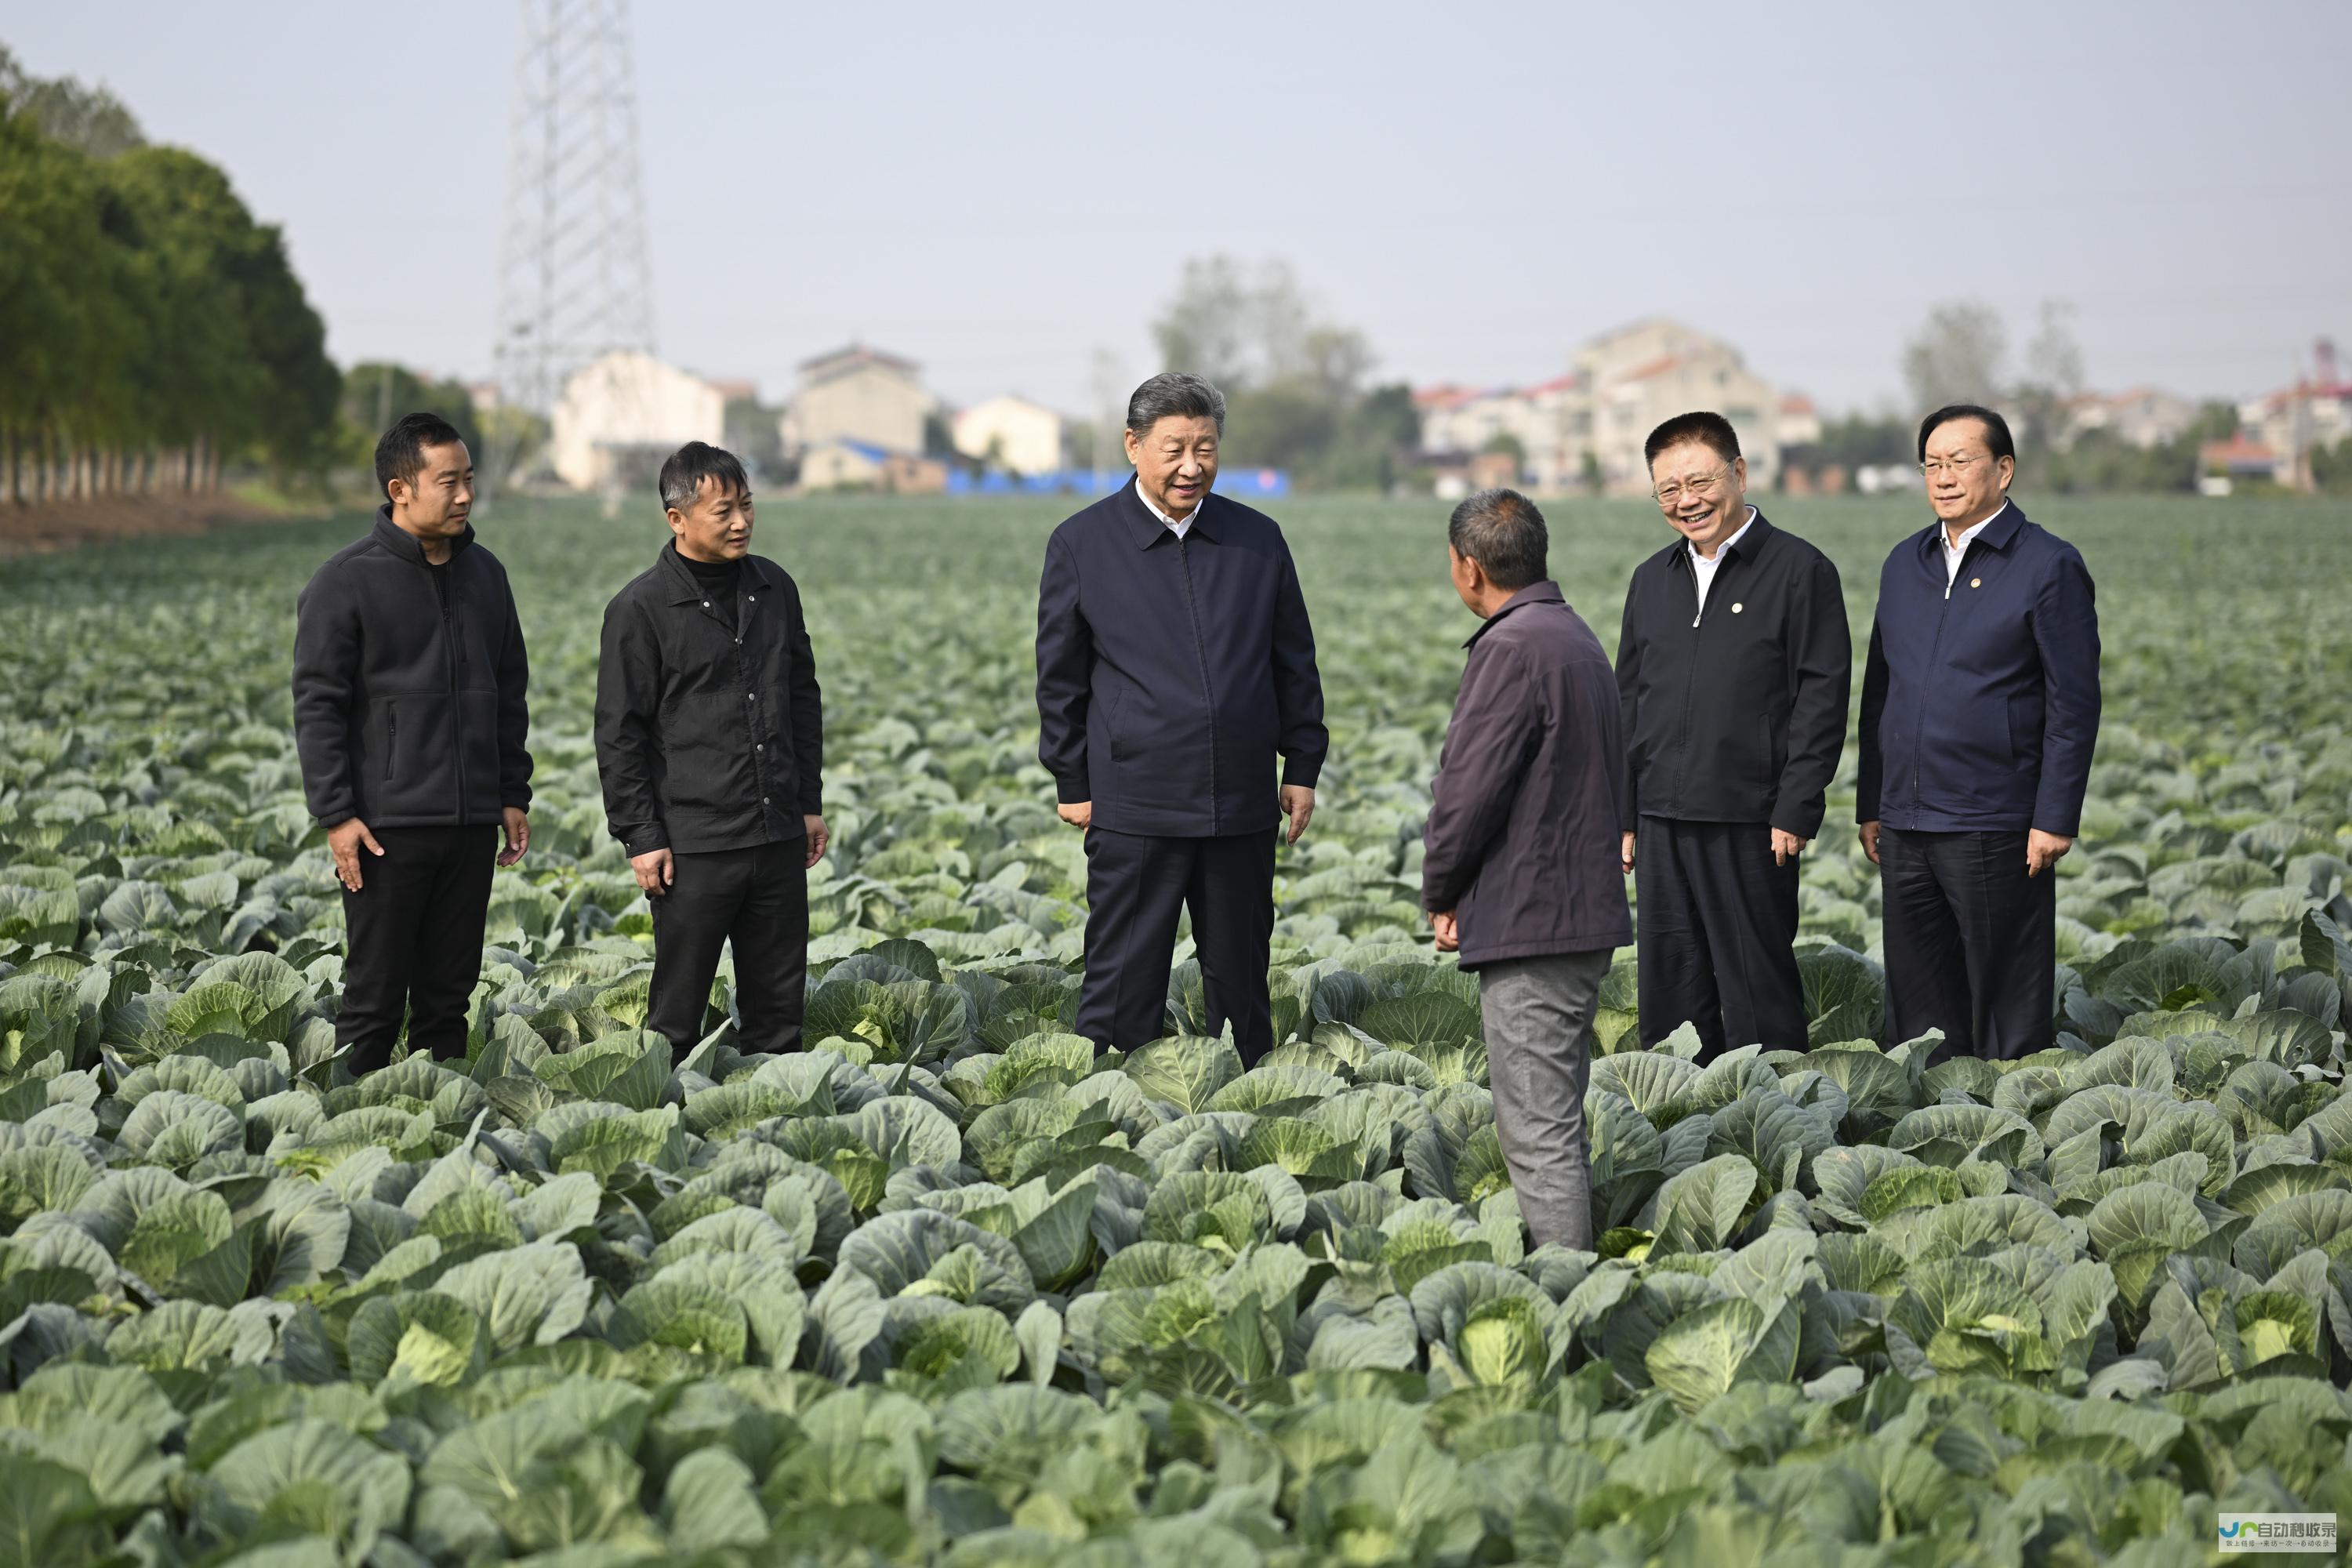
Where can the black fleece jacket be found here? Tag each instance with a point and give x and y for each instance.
(410, 712)
(1736, 715)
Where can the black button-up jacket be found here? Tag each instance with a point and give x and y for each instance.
(1171, 671)
(1522, 837)
(708, 736)
(1735, 713)
(410, 710)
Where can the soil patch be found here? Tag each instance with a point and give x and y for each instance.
(65, 525)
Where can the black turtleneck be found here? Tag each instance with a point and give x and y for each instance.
(719, 579)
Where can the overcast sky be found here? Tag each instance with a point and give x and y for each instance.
(998, 191)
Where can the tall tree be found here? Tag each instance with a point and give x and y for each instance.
(1956, 357)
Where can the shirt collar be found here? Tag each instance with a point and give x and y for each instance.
(1968, 533)
(1150, 526)
(1166, 520)
(1698, 560)
(684, 585)
(1533, 594)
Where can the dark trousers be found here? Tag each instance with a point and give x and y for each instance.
(1972, 942)
(1716, 921)
(757, 899)
(1135, 883)
(414, 933)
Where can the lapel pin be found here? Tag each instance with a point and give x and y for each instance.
(1976, 581)
(1737, 608)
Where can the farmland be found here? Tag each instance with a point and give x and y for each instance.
(945, 1286)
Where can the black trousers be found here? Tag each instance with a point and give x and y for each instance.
(414, 936)
(758, 899)
(1972, 942)
(1716, 918)
(1135, 883)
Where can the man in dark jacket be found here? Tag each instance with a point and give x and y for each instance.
(410, 718)
(710, 745)
(1174, 662)
(1734, 665)
(1520, 870)
(1979, 708)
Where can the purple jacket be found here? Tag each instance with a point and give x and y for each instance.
(1522, 841)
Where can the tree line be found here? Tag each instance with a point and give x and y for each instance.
(149, 329)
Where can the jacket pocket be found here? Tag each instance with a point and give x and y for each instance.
(2024, 731)
(705, 749)
(391, 737)
(1111, 726)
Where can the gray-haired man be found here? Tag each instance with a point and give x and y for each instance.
(1174, 663)
(1520, 874)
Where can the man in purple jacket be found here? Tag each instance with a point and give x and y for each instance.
(1521, 872)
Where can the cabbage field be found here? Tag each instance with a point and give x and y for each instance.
(945, 1287)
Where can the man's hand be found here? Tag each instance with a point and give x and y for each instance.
(1625, 853)
(819, 838)
(1299, 805)
(1787, 847)
(2043, 850)
(1870, 839)
(655, 868)
(1078, 814)
(517, 825)
(343, 841)
(1449, 931)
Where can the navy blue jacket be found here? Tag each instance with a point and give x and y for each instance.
(1980, 702)
(1170, 672)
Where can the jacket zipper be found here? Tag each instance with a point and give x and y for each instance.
(1918, 741)
(391, 737)
(1690, 684)
(1208, 691)
(457, 703)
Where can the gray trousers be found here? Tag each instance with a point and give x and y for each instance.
(1539, 1017)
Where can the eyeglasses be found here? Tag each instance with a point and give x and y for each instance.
(1957, 466)
(1707, 488)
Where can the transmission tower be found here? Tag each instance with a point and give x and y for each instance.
(573, 279)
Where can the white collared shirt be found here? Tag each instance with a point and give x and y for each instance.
(1704, 569)
(1179, 527)
(1952, 552)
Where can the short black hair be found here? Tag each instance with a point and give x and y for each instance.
(1502, 531)
(682, 475)
(1997, 436)
(1174, 393)
(1711, 430)
(400, 453)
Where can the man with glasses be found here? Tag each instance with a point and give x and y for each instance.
(1979, 708)
(1733, 668)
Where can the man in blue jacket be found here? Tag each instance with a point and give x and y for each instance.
(1979, 708)
(1174, 663)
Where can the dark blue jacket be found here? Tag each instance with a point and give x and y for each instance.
(1170, 672)
(1980, 702)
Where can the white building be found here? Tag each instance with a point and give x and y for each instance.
(1594, 421)
(1638, 377)
(1012, 433)
(627, 405)
(858, 394)
(2142, 418)
(1465, 422)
